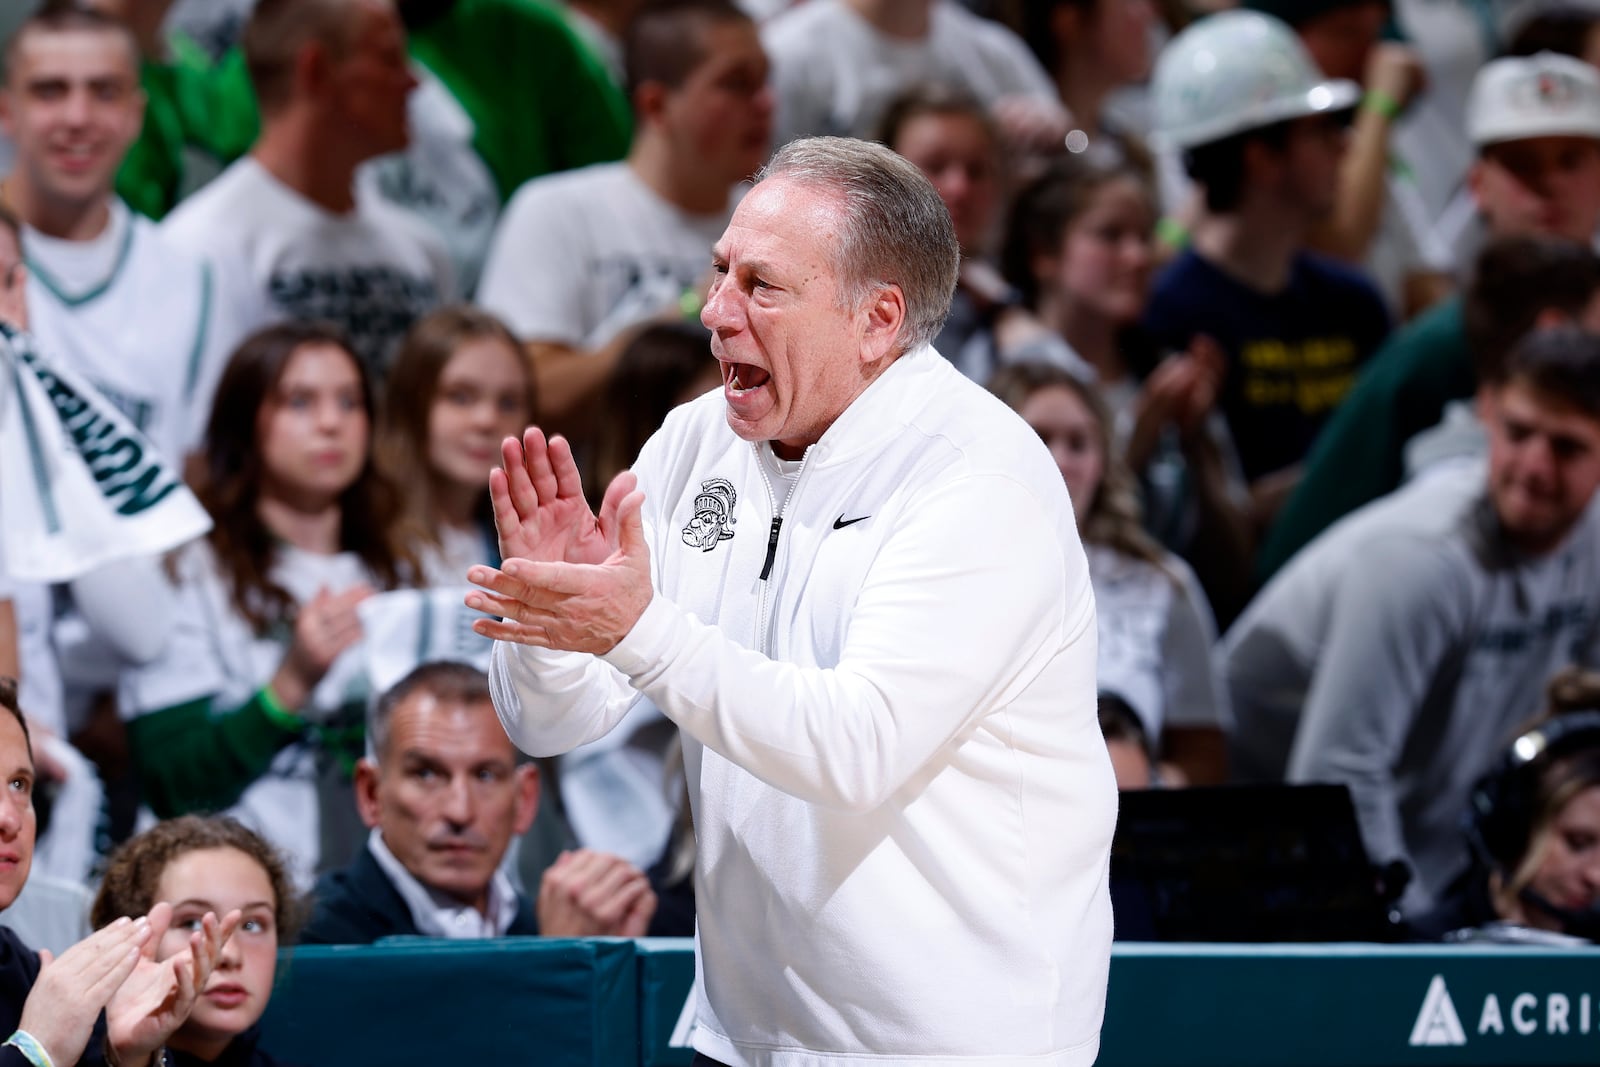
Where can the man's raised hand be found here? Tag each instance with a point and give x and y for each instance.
(573, 607)
(539, 509)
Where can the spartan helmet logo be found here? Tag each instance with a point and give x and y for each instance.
(713, 515)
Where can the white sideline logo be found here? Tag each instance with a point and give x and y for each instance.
(1437, 1023)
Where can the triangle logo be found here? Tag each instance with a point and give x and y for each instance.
(1437, 1023)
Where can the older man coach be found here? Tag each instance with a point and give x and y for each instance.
(853, 579)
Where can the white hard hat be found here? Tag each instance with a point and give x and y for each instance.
(1236, 71)
(1546, 95)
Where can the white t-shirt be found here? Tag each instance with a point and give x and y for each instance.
(446, 564)
(834, 73)
(1458, 437)
(1406, 243)
(215, 652)
(1156, 633)
(75, 639)
(582, 255)
(439, 181)
(1454, 39)
(279, 256)
(138, 317)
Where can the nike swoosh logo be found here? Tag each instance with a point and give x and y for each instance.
(841, 522)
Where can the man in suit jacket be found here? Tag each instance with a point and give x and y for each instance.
(444, 791)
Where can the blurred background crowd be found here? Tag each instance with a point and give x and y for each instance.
(1301, 296)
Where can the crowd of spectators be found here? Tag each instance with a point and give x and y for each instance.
(1303, 299)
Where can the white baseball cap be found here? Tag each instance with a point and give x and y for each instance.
(1522, 97)
(1237, 71)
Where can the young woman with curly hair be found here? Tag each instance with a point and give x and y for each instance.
(199, 864)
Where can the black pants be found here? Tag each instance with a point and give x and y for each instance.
(702, 1060)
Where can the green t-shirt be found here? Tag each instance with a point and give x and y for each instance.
(539, 99)
(1360, 453)
(192, 105)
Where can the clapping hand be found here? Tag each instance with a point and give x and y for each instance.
(569, 580)
(540, 511)
(158, 995)
(70, 992)
(326, 626)
(1207, 368)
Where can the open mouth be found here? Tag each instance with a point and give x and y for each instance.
(744, 377)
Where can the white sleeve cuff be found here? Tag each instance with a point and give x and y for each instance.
(646, 645)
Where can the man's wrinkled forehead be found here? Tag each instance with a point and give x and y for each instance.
(781, 221)
(425, 724)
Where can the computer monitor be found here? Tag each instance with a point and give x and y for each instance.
(1247, 863)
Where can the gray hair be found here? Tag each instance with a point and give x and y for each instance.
(895, 229)
(447, 682)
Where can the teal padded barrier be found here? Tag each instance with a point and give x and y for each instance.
(614, 1003)
(666, 975)
(546, 1001)
(1350, 1006)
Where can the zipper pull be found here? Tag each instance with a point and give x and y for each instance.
(772, 547)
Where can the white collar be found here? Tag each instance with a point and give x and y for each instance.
(437, 915)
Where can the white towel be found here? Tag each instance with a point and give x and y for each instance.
(80, 487)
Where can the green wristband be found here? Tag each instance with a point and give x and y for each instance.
(1381, 103)
(277, 713)
(1171, 232)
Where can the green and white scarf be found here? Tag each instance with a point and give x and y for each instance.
(80, 486)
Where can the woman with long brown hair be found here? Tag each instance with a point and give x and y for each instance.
(1080, 250)
(257, 704)
(1156, 629)
(459, 385)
